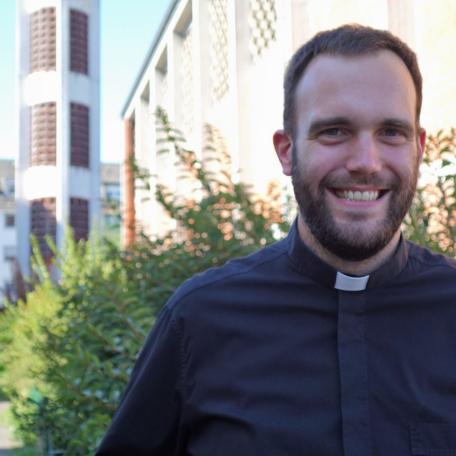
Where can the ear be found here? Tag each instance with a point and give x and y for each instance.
(284, 149)
(421, 143)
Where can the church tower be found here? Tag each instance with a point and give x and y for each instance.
(58, 160)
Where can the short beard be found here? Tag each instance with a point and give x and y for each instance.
(351, 243)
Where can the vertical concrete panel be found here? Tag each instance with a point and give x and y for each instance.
(200, 24)
(261, 83)
(326, 14)
(142, 157)
(22, 135)
(153, 215)
(435, 37)
(63, 120)
(242, 110)
(401, 20)
(94, 93)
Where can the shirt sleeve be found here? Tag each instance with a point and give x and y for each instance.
(147, 421)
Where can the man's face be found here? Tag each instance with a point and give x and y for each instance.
(356, 151)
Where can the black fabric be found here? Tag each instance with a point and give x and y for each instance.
(264, 357)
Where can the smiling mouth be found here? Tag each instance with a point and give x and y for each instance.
(357, 195)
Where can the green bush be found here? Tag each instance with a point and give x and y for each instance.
(23, 361)
(431, 220)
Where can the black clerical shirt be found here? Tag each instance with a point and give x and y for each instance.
(278, 354)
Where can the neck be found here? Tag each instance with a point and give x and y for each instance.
(356, 268)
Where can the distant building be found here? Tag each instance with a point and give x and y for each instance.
(110, 198)
(7, 226)
(219, 64)
(57, 178)
(110, 218)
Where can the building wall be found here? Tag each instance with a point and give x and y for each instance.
(58, 107)
(7, 226)
(7, 246)
(220, 63)
(434, 39)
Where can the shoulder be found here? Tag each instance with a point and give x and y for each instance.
(231, 274)
(424, 259)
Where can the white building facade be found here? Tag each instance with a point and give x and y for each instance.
(219, 64)
(57, 168)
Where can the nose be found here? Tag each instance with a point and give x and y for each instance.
(364, 155)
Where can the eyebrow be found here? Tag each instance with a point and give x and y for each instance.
(390, 122)
(404, 125)
(320, 124)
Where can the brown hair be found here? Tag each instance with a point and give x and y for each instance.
(347, 40)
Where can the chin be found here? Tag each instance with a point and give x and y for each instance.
(356, 243)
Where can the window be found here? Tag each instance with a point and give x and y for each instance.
(9, 220)
(43, 223)
(10, 186)
(113, 192)
(7, 187)
(9, 253)
(219, 48)
(80, 135)
(79, 42)
(43, 134)
(79, 218)
(111, 220)
(42, 40)
(263, 25)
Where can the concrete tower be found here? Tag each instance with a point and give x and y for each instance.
(57, 171)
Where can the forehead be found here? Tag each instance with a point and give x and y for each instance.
(377, 84)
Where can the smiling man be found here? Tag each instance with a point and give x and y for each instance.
(353, 149)
(339, 339)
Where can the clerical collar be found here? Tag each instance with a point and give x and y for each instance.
(349, 283)
(312, 266)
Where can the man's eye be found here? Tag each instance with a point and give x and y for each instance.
(394, 135)
(392, 132)
(333, 135)
(335, 131)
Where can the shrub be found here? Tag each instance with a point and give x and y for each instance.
(431, 220)
(22, 336)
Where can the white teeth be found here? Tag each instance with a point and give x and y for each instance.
(357, 195)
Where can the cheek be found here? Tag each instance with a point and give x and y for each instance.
(315, 162)
(322, 161)
(404, 163)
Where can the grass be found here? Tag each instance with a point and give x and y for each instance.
(26, 451)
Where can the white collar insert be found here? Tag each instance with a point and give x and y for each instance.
(348, 283)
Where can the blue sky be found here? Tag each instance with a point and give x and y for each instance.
(127, 29)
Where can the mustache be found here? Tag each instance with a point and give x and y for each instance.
(347, 181)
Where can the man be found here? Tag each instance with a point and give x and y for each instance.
(340, 339)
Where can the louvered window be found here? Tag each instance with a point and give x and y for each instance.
(42, 40)
(79, 217)
(43, 134)
(80, 135)
(79, 55)
(43, 223)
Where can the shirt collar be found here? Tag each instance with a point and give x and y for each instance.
(312, 266)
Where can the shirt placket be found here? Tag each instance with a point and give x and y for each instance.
(352, 352)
